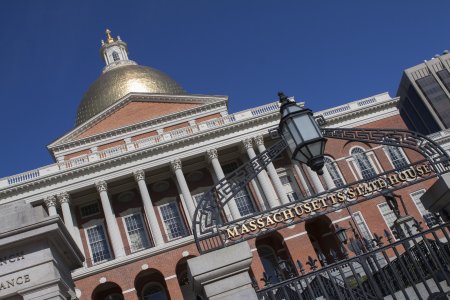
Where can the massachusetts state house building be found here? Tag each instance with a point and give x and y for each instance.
(127, 178)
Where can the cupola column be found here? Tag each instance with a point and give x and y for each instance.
(262, 177)
(111, 224)
(50, 203)
(139, 176)
(230, 207)
(182, 184)
(259, 141)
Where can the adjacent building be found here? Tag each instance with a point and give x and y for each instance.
(424, 93)
(127, 178)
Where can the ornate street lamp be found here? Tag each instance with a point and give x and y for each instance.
(341, 233)
(301, 133)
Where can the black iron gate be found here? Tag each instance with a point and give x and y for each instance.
(414, 267)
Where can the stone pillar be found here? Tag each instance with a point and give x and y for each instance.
(230, 207)
(328, 179)
(259, 141)
(111, 224)
(64, 200)
(315, 180)
(298, 170)
(223, 274)
(262, 177)
(50, 203)
(139, 176)
(182, 184)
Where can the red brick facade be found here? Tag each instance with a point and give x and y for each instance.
(294, 242)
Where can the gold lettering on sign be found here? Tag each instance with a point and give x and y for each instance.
(305, 208)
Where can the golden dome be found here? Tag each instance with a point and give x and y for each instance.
(120, 81)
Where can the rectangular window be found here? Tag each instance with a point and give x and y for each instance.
(172, 220)
(390, 217)
(89, 210)
(289, 185)
(430, 218)
(98, 243)
(137, 234)
(362, 226)
(244, 203)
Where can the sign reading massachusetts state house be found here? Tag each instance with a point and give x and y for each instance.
(300, 210)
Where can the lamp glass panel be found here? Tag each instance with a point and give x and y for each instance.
(288, 138)
(307, 127)
(300, 156)
(315, 148)
(295, 131)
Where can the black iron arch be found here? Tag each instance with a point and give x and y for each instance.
(210, 223)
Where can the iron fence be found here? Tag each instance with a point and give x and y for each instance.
(414, 267)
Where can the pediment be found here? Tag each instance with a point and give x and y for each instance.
(135, 112)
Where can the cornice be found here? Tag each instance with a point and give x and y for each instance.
(129, 157)
(378, 107)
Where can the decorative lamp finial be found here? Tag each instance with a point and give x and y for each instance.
(109, 38)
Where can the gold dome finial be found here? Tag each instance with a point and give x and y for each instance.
(109, 38)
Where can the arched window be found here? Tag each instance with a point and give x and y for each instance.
(397, 158)
(363, 163)
(115, 56)
(334, 172)
(154, 291)
(269, 262)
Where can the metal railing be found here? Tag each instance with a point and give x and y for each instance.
(415, 267)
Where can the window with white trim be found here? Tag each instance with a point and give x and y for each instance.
(173, 223)
(430, 218)
(362, 225)
(137, 235)
(290, 186)
(98, 244)
(396, 156)
(390, 217)
(334, 172)
(243, 200)
(89, 210)
(244, 203)
(363, 163)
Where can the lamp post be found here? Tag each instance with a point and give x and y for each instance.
(301, 133)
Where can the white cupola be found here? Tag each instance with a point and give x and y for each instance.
(114, 52)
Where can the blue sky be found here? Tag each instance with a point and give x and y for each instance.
(323, 52)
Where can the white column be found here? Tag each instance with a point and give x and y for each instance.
(328, 179)
(139, 176)
(64, 201)
(298, 170)
(315, 180)
(182, 184)
(111, 224)
(69, 220)
(259, 141)
(50, 203)
(230, 207)
(262, 177)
